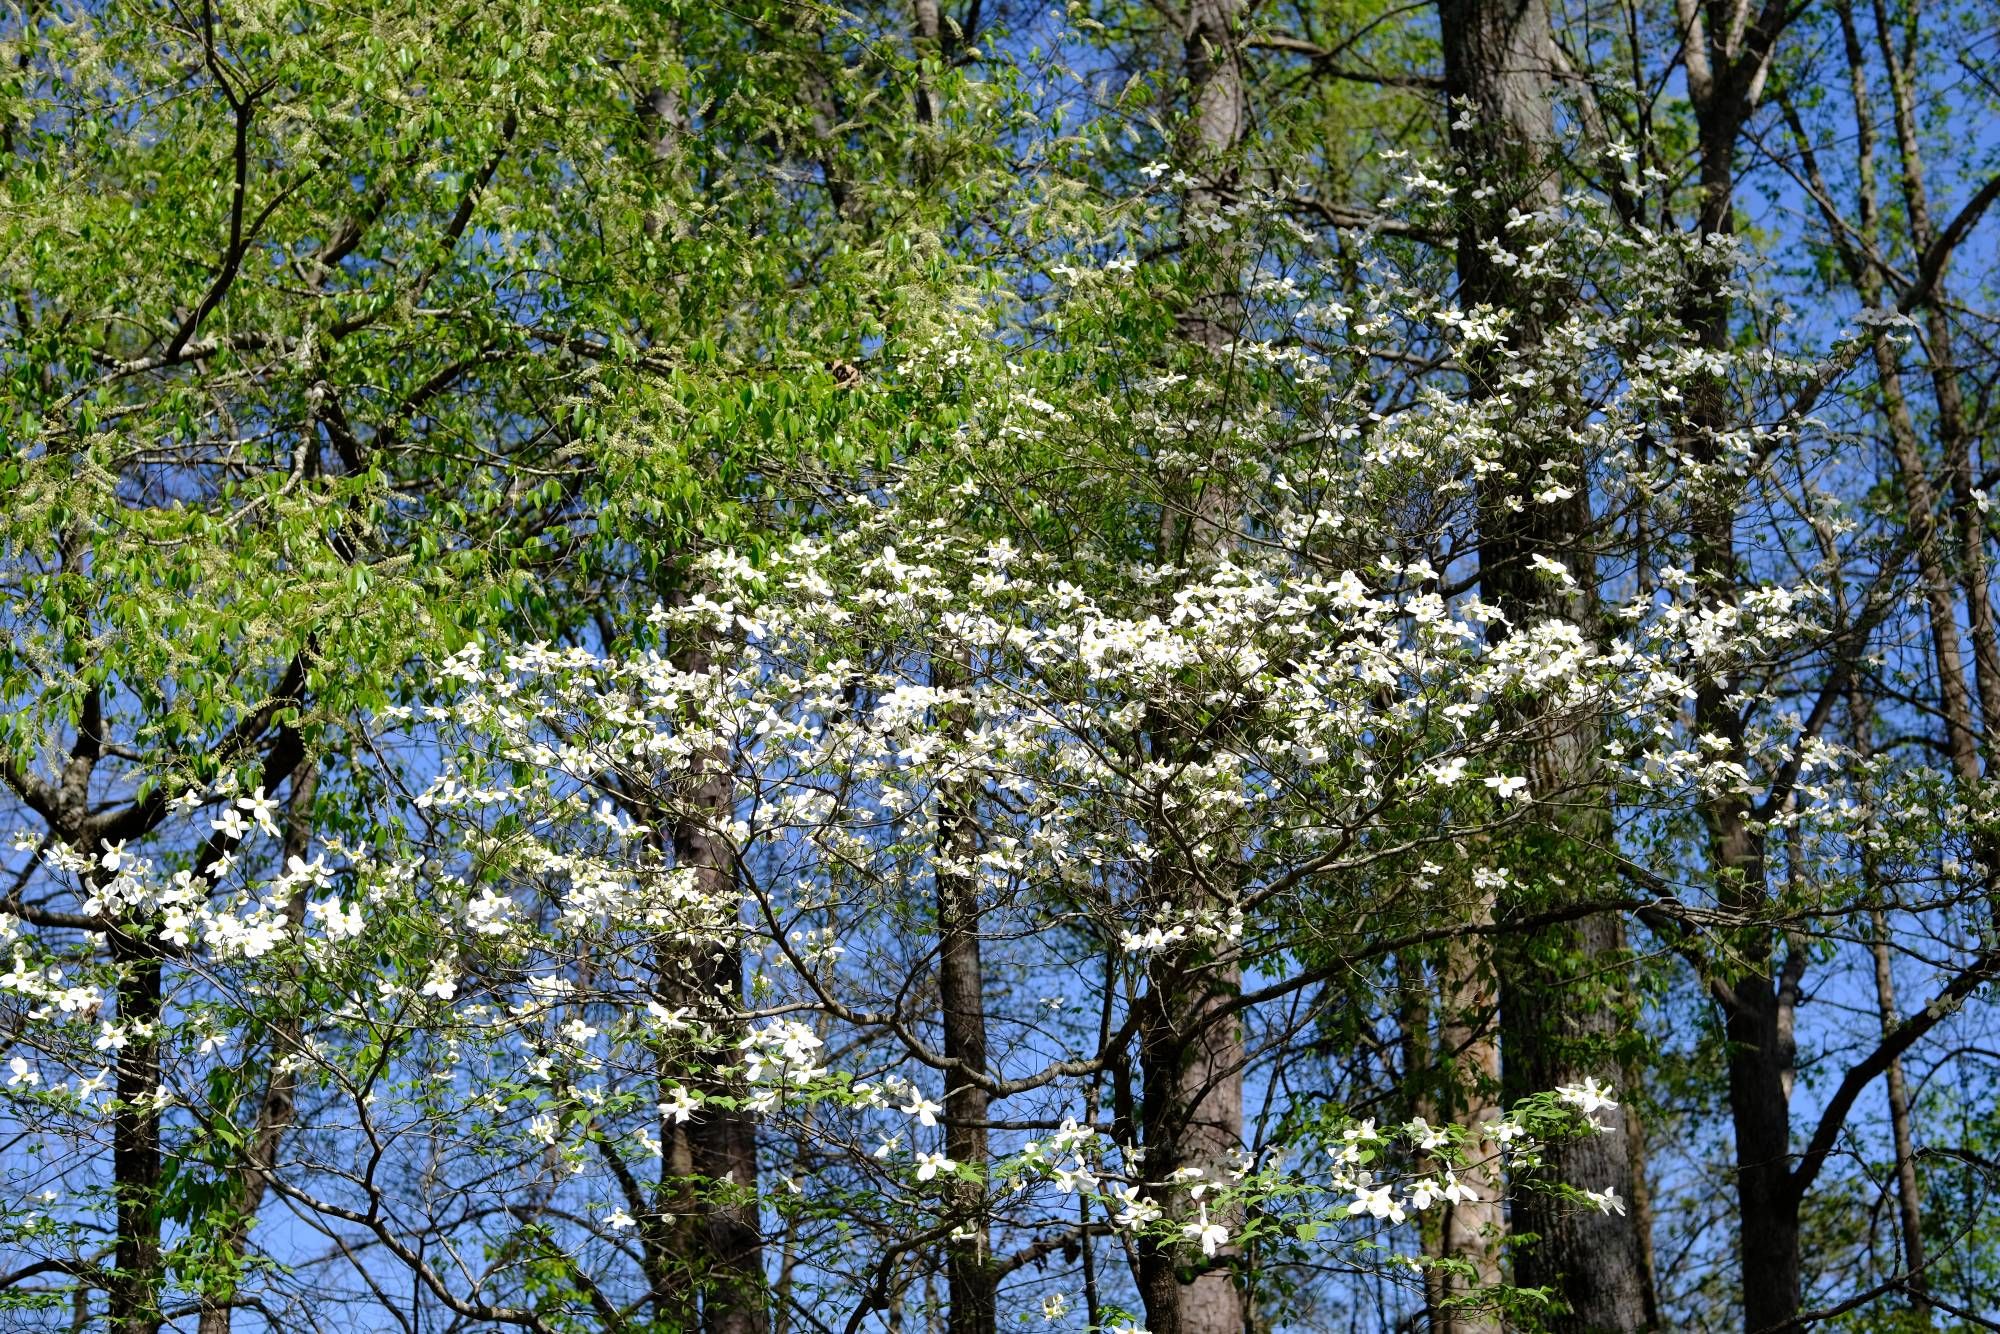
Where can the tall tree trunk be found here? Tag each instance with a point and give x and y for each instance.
(132, 1288)
(133, 1291)
(1559, 1002)
(1755, 1004)
(1191, 1114)
(971, 1276)
(718, 1145)
(1561, 1023)
(725, 1157)
(1954, 435)
(1933, 572)
(1726, 70)
(1191, 1058)
(704, 1247)
(1469, 1051)
(1920, 496)
(1495, 57)
(1760, 1114)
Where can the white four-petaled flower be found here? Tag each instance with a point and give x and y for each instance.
(1204, 1233)
(1588, 1096)
(679, 1106)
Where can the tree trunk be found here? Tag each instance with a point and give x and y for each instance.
(1191, 1113)
(1469, 1048)
(1499, 56)
(970, 1275)
(1560, 1023)
(723, 1239)
(725, 1158)
(1756, 1004)
(133, 1294)
(1191, 1060)
(1495, 56)
(1725, 74)
(1760, 1113)
(1954, 435)
(971, 1279)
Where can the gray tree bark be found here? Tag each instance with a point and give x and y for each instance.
(1191, 1059)
(1558, 997)
(971, 1276)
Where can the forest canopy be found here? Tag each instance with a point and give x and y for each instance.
(1203, 667)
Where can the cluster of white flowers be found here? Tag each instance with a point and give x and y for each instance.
(1348, 690)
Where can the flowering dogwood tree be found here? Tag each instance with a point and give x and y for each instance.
(1333, 712)
(1352, 725)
